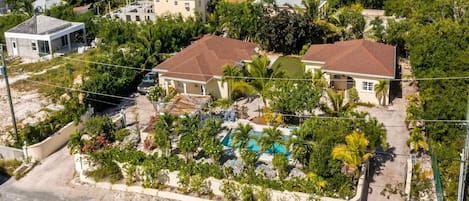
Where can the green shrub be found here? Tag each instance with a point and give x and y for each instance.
(229, 190)
(262, 194)
(121, 134)
(7, 167)
(106, 170)
(247, 193)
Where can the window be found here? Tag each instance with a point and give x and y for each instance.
(367, 86)
(175, 3)
(33, 46)
(64, 40)
(43, 47)
(14, 44)
(187, 6)
(137, 18)
(127, 18)
(147, 17)
(200, 3)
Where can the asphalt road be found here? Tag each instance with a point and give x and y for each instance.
(52, 180)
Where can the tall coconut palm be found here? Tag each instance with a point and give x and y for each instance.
(353, 154)
(259, 69)
(231, 75)
(241, 136)
(417, 139)
(271, 136)
(381, 91)
(338, 106)
(301, 146)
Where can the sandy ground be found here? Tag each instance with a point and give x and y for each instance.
(27, 106)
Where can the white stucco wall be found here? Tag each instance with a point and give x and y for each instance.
(164, 7)
(217, 89)
(367, 96)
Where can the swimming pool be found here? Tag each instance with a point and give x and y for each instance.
(252, 143)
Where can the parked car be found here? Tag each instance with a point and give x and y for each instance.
(149, 80)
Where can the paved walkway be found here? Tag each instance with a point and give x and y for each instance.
(389, 167)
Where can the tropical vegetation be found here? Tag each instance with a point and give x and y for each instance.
(432, 36)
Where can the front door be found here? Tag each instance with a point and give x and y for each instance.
(15, 48)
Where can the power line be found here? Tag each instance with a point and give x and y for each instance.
(291, 115)
(79, 90)
(263, 78)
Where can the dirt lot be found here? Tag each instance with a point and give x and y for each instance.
(27, 105)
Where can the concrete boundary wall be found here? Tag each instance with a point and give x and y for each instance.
(51, 144)
(82, 165)
(54, 142)
(10, 153)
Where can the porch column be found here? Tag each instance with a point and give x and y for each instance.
(69, 44)
(51, 51)
(84, 36)
(204, 89)
(166, 86)
(184, 85)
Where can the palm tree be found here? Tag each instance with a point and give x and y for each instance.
(259, 69)
(162, 140)
(231, 75)
(417, 139)
(319, 79)
(311, 8)
(148, 45)
(338, 108)
(241, 135)
(271, 136)
(353, 153)
(381, 91)
(301, 146)
(188, 144)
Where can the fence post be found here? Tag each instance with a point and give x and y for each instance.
(25, 152)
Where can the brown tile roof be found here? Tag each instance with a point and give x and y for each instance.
(206, 57)
(355, 56)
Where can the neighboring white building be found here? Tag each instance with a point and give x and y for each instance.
(43, 36)
(136, 11)
(186, 8)
(42, 5)
(356, 64)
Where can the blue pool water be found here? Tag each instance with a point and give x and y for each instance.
(252, 143)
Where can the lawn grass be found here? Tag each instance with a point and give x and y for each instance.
(63, 75)
(292, 65)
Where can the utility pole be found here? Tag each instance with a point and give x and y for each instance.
(3, 70)
(464, 154)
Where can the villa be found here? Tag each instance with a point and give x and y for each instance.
(198, 69)
(356, 64)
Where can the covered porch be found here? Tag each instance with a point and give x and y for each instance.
(186, 87)
(340, 82)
